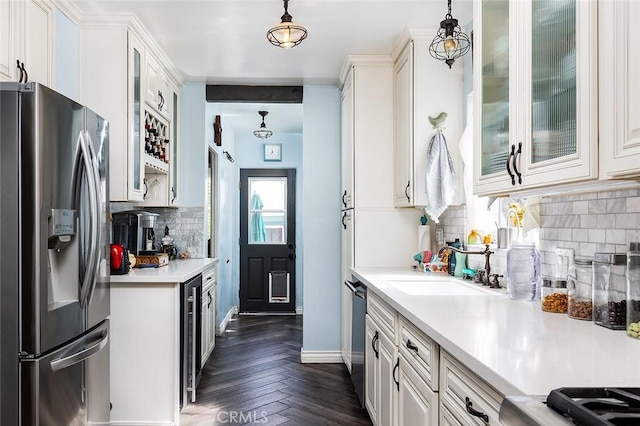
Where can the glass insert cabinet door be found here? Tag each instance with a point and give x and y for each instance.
(267, 210)
(494, 107)
(553, 80)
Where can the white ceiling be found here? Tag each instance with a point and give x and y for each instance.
(224, 41)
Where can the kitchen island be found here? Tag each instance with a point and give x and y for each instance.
(145, 341)
(513, 346)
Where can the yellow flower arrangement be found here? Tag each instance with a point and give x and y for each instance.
(516, 214)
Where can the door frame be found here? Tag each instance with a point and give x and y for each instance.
(291, 237)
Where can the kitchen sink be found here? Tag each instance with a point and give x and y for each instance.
(443, 287)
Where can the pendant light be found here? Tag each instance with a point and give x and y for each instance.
(287, 33)
(450, 43)
(262, 132)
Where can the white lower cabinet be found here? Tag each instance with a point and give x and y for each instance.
(411, 381)
(417, 403)
(464, 397)
(208, 316)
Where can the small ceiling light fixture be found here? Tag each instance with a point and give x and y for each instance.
(450, 43)
(262, 132)
(287, 33)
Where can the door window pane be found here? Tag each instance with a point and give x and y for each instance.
(267, 211)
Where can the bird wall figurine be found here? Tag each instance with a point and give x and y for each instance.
(436, 122)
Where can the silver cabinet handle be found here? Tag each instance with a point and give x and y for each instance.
(97, 242)
(194, 337)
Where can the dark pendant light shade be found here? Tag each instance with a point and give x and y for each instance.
(287, 33)
(262, 132)
(450, 43)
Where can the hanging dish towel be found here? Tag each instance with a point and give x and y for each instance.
(439, 186)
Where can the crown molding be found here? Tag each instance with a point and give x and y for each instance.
(363, 61)
(69, 9)
(410, 34)
(132, 23)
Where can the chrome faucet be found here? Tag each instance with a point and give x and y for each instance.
(486, 278)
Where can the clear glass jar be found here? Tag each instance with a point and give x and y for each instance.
(610, 290)
(523, 271)
(633, 291)
(579, 289)
(554, 295)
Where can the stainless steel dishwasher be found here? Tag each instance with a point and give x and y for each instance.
(358, 321)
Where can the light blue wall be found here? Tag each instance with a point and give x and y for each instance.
(66, 55)
(192, 159)
(250, 156)
(321, 189)
(226, 187)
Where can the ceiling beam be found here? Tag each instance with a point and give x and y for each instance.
(254, 94)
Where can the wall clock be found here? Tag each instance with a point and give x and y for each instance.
(272, 152)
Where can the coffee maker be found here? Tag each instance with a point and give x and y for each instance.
(134, 230)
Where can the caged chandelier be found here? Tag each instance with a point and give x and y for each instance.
(262, 132)
(287, 33)
(450, 43)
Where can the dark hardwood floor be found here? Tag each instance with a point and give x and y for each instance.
(254, 376)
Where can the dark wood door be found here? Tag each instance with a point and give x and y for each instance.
(267, 240)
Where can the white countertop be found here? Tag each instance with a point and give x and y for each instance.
(513, 345)
(177, 271)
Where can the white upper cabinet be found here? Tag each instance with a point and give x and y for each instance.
(346, 195)
(118, 74)
(536, 106)
(619, 88)
(422, 87)
(158, 93)
(26, 34)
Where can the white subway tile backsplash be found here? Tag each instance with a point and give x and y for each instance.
(587, 249)
(580, 235)
(616, 205)
(615, 236)
(597, 235)
(597, 206)
(633, 204)
(564, 234)
(626, 221)
(605, 221)
(588, 221)
(580, 207)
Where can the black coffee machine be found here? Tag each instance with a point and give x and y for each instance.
(134, 230)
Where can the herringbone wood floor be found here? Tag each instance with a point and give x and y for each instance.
(254, 376)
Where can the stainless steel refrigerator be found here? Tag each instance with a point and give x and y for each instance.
(54, 259)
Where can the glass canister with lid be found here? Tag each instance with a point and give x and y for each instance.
(633, 290)
(523, 271)
(554, 295)
(610, 290)
(579, 289)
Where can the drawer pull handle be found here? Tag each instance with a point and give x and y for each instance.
(406, 190)
(393, 374)
(474, 412)
(412, 346)
(374, 339)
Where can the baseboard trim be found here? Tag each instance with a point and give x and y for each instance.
(298, 310)
(223, 325)
(320, 357)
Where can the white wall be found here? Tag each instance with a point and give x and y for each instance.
(321, 204)
(192, 159)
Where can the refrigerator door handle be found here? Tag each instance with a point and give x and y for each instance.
(97, 241)
(90, 267)
(95, 347)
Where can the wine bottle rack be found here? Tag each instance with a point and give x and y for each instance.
(156, 143)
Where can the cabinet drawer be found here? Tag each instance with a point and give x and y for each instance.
(420, 351)
(460, 387)
(209, 276)
(383, 314)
